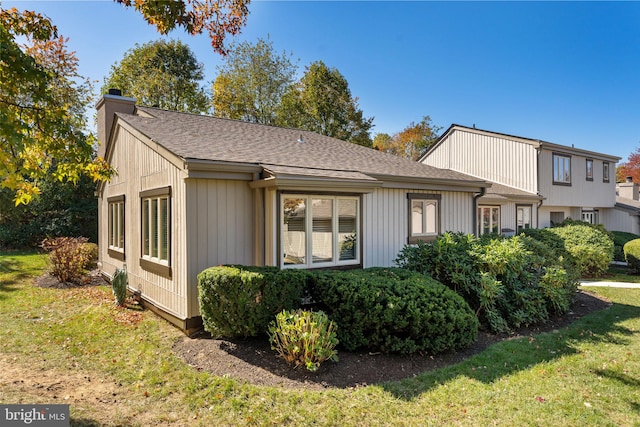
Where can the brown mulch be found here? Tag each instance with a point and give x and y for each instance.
(253, 361)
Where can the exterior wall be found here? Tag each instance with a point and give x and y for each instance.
(508, 220)
(492, 158)
(621, 220)
(220, 229)
(140, 168)
(386, 221)
(581, 193)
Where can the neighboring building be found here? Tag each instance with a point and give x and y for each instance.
(535, 183)
(194, 191)
(626, 215)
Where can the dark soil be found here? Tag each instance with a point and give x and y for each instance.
(253, 361)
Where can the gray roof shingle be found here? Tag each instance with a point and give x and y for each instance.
(199, 137)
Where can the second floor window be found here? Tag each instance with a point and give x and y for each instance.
(561, 169)
(589, 169)
(605, 171)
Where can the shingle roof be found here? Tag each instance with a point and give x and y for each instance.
(199, 137)
(504, 191)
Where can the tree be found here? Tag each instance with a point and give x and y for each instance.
(322, 102)
(43, 129)
(163, 74)
(412, 142)
(630, 168)
(251, 83)
(217, 17)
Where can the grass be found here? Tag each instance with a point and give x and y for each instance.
(587, 374)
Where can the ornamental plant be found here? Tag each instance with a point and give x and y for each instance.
(68, 258)
(304, 338)
(632, 254)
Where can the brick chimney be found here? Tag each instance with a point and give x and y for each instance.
(111, 103)
(628, 189)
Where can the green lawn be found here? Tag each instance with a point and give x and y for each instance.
(588, 374)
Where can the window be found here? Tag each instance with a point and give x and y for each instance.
(424, 216)
(523, 217)
(320, 231)
(556, 217)
(115, 239)
(590, 216)
(589, 169)
(488, 219)
(605, 171)
(156, 220)
(561, 169)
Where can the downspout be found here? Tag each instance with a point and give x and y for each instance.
(538, 152)
(259, 223)
(474, 216)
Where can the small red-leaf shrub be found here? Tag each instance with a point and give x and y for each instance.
(68, 258)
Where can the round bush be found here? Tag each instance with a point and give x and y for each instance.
(620, 238)
(239, 301)
(632, 254)
(396, 311)
(591, 248)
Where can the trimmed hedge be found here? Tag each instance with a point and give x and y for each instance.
(387, 310)
(632, 254)
(239, 301)
(591, 247)
(395, 311)
(620, 238)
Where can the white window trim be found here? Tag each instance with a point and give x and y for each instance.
(145, 250)
(480, 224)
(523, 207)
(561, 162)
(116, 226)
(425, 198)
(308, 228)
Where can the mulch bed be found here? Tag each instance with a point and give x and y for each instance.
(253, 361)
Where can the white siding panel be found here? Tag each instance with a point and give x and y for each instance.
(581, 193)
(492, 158)
(620, 220)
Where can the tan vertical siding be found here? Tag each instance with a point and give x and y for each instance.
(620, 220)
(140, 168)
(219, 228)
(386, 221)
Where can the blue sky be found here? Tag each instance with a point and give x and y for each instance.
(564, 72)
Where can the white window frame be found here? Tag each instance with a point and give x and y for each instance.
(561, 169)
(428, 203)
(116, 226)
(590, 216)
(480, 222)
(520, 217)
(155, 228)
(308, 230)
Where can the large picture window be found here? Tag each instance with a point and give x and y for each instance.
(561, 169)
(488, 219)
(156, 223)
(424, 216)
(320, 231)
(115, 239)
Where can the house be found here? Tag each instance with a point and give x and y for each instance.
(193, 191)
(626, 215)
(534, 183)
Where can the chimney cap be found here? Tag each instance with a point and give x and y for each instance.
(114, 91)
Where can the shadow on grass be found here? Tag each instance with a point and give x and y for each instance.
(12, 272)
(508, 357)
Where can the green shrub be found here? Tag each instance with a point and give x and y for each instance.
(590, 247)
(238, 301)
(632, 254)
(119, 286)
(67, 258)
(304, 338)
(395, 311)
(508, 282)
(90, 255)
(620, 238)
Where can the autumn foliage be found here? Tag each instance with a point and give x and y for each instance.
(412, 142)
(630, 168)
(217, 17)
